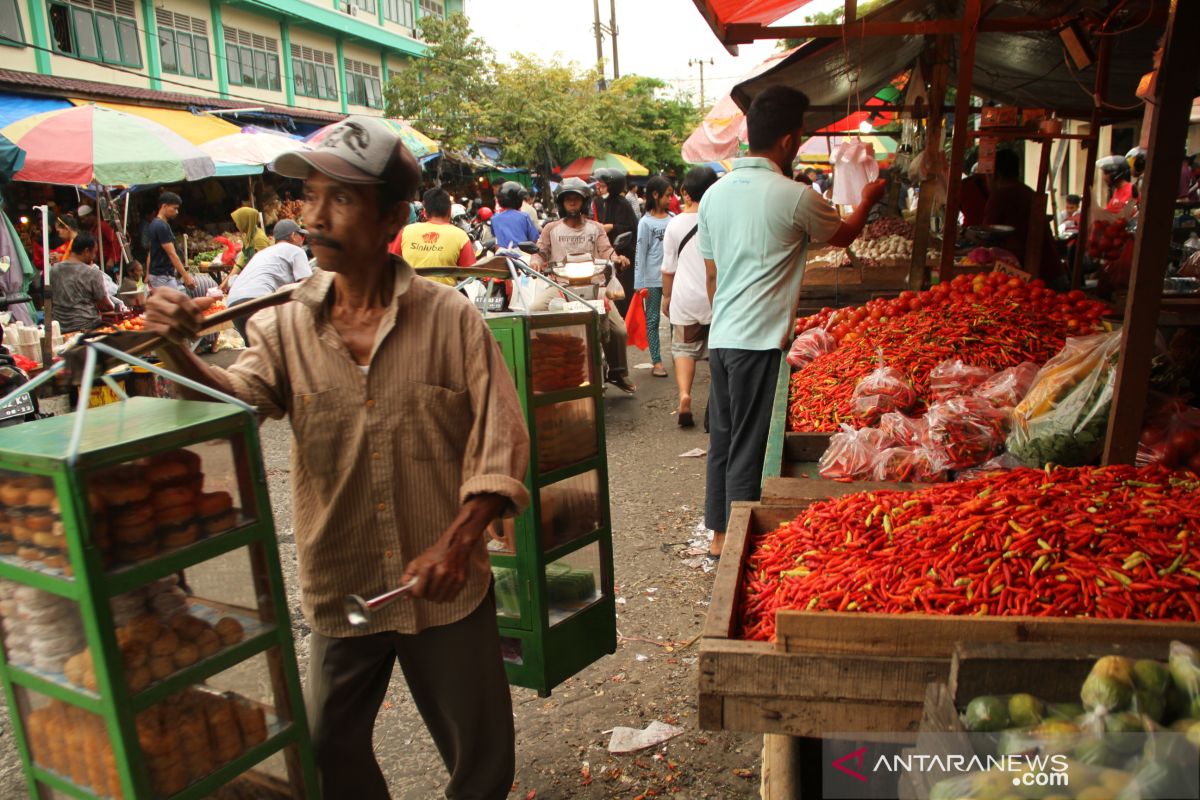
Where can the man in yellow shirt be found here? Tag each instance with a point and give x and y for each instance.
(436, 243)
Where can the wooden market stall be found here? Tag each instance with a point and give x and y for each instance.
(829, 671)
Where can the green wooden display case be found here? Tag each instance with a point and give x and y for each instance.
(553, 564)
(129, 433)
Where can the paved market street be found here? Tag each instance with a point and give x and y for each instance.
(561, 740)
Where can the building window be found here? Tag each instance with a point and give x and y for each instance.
(252, 60)
(11, 32)
(183, 44)
(368, 6)
(97, 30)
(314, 73)
(363, 87)
(432, 8)
(399, 11)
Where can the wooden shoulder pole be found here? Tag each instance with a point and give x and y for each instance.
(1177, 77)
(918, 273)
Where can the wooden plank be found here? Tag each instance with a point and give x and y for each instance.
(773, 460)
(799, 492)
(780, 778)
(1168, 134)
(1037, 216)
(1089, 168)
(746, 32)
(934, 635)
(721, 619)
(966, 69)
(811, 717)
(918, 273)
(748, 670)
(938, 718)
(1052, 671)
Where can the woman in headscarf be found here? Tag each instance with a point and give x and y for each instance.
(253, 240)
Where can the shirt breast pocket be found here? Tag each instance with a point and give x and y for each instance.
(321, 428)
(436, 422)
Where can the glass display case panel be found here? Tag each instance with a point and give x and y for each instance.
(43, 634)
(69, 742)
(144, 508)
(31, 525)
(566, 433)
(573, 583)
(507, 586)
(570, 508)
(561, 358)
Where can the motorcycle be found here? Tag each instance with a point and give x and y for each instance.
(24, 407)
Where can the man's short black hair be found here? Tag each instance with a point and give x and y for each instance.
(1008, 164)
(169, 199)
(1074, 199)
(436, 202)
(82, 242)
(775, 112)
(697, 181)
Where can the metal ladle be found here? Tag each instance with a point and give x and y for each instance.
(358, 610)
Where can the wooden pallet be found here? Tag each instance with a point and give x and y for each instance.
(847, 672)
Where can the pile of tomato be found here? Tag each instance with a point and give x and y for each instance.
(1108, 241)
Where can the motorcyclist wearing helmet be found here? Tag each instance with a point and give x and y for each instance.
(614, 212)
(574, 233)
(512, 225)
(1116, 175)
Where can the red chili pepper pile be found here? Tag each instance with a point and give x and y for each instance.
(985, 320)
(1107, 542)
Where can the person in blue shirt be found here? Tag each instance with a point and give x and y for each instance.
(754, 229)
(512, 225)
(648, 260)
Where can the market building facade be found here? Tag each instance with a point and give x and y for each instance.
(333, 57)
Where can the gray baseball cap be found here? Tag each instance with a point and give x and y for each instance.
(362, 150)
(286, 227)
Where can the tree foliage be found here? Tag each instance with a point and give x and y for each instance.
(834, 16)
(543, 113)
(438, 92)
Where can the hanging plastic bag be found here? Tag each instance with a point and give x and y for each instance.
(635, 321)
(954, 376)
(1064, 417)
(613, 290)
(851, 454)
(884, 389)
(809, 346)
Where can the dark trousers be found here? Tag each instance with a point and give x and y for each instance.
(740, 401)
(625, 278)
(456, 677)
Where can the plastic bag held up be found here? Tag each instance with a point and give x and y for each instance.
(809, 346)
(635, 321)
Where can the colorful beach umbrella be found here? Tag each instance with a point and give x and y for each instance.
(586, 167)
(417, 143)
(816, 149)
(12, 158)
(96, 145)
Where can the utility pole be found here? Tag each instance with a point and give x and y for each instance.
(599, 31)
(612, 29)
(692, 62)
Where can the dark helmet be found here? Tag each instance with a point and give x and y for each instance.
(511, 195)
(614, 178)
(573, 186)
(1115, 168)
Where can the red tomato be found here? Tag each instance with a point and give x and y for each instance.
(1184, 442)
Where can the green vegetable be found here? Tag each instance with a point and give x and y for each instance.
(1025, 710)
(986, 714)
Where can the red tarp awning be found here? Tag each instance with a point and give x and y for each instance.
(722, 13)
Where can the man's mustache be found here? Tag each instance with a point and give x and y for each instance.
(317, 240)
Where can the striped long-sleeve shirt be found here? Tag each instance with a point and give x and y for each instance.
(383, 458)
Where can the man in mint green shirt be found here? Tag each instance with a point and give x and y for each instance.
(755, 227)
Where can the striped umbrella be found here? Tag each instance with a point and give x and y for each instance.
(816, 149)
(246, 153)
(417, 143)
(96, 145)
(719, 167)
(11, 159)
(586, 167)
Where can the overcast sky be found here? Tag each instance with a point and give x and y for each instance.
(655, 38)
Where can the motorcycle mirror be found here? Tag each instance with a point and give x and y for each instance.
(621, 240)
(528, 248)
